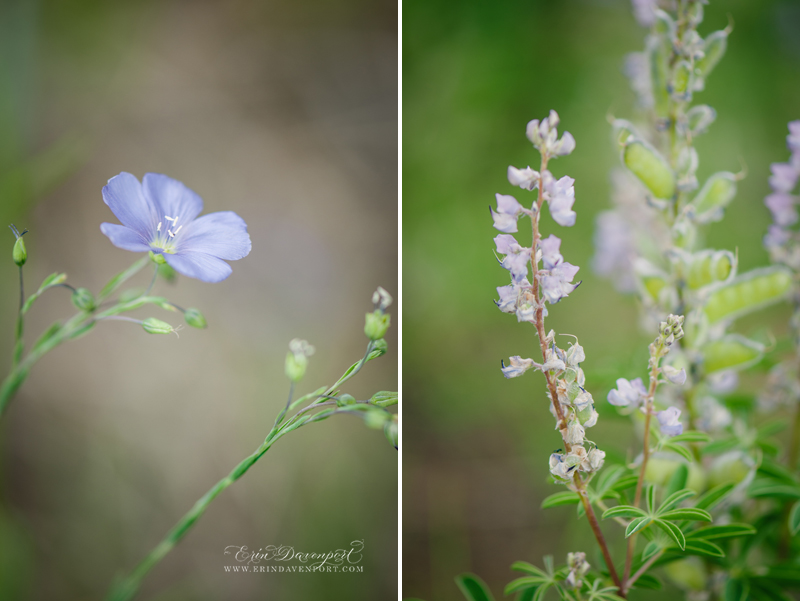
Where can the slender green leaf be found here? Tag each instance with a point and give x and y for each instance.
(686, 513)
(675, 533)
(623, 511)
(703, 547)
(608, 477)
(648, 581)
(520, 584)
(528, 568)
(121, 278)
(726, 531)
(720, 446)
(561, 498)
(680, 450)
(674, 499)
(637, 524)
(54, 279)
(764, 590)
(650, 496)
(625, 483)
(678, 480)
(691, 436)
(765, 487)
(775, 470)
(650, 549)
(771, 428)
(539, 594)
(736, 590)
(473, 588)
(794, 519)
(709, 499)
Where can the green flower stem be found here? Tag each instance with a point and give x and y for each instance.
(128, 587)
(19, 344)
(119, 279)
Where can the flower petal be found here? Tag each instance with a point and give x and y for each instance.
(200, 266)
(223, 234)
(124, 196)
(124, 237)
(171, 198)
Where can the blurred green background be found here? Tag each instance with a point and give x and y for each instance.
(474, 73)
(285, 112)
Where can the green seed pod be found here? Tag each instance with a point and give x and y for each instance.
(732, 351)
(158, 259)
(83, 299)
(152, 325)
(680, 86)
(195, 319)
(390, 431)
(658, 52)
(662, 466)
(376, 325)
(167, 272)
(646, 163)
(715, 46)
(747, 293)
(376, 418)
(19, 253)
(733, 467)
(714, 196)
(709, 266)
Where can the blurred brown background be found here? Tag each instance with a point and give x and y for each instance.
(285, 112)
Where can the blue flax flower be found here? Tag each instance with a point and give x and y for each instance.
(160, 215)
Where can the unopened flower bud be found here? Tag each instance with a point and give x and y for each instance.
(376, 419)
(19, 254)
(194, 318)
(390, 430)
(152, 325)
(380, 346)
(377, 323)
(83, 299)
(345, 399)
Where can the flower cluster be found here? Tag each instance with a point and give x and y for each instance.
(782, 242)
(633, 393)
(571, 405)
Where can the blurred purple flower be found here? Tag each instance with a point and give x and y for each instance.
(550, 251)
(782, 207)
(793, 139)
(776, 237)
(627, 393)
(517, 366)
(784, 177)
(516, 257)
(558, 284)
(669, 422)
(508, 211)
(159, 215)
(527, 178)
(562, 197)
(645, 11)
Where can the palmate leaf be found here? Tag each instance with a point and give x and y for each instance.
(674, 532)
(561, 498)
(726, 531)
(473, 588)
(675, 498)
(623, 511)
